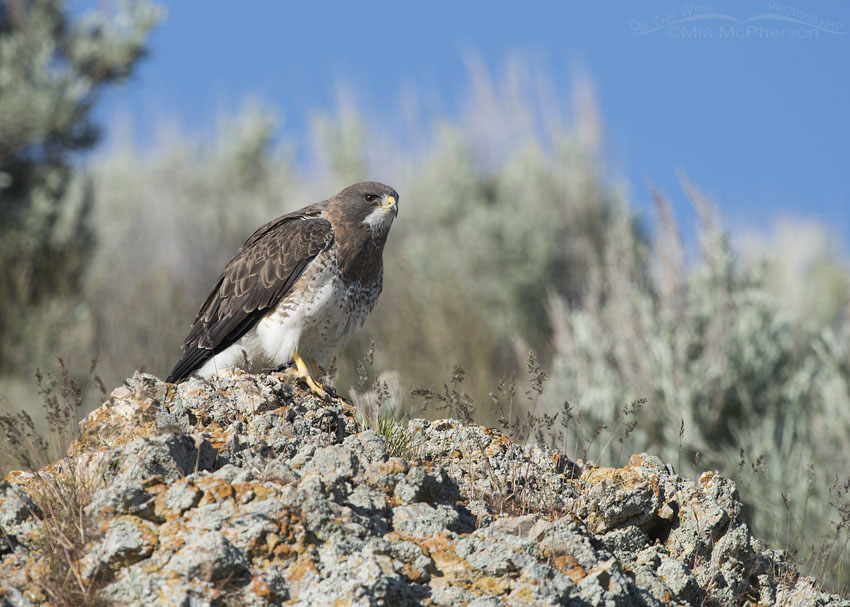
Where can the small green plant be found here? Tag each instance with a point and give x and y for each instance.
(378, 408)
(398, 438)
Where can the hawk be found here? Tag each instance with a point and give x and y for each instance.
(296, 289)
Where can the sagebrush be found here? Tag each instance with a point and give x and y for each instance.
(512, 236)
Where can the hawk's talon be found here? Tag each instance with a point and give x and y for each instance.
(315, 387)
(305, 374)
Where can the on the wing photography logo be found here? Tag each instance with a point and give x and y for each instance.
(703, 22)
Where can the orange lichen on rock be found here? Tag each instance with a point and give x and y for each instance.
(302, 565)
(261, 588)
(126, 416)
(215, 490)
(569, 566)
(617, 478)
(245, 489)
(487, 585)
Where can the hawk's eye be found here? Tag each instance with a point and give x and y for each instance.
(370, 197)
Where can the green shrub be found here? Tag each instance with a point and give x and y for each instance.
(761, 396)
(52, 70)
(510, 238)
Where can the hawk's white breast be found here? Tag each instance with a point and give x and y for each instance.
(316, 318)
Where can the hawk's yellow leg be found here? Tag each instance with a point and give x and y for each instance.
(306, 373)
(315, 369)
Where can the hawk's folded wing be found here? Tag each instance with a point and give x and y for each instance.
(261, 273)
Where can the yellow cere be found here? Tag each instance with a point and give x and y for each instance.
(390, 200)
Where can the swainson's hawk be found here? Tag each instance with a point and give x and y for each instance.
(296, 289)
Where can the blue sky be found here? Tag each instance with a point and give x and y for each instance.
(749, 98)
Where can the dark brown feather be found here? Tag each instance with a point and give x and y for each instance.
(260, 274)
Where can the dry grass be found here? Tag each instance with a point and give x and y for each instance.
(60, 497)
(59, 491)
(511, 237)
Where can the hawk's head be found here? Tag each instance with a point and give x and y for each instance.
(374, 204)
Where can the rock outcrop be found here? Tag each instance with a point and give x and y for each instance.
(247, 491)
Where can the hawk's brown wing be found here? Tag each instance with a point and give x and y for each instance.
(260, 274)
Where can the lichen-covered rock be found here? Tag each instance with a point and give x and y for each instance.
(246, 490)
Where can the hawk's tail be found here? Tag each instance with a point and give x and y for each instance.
(192, 359)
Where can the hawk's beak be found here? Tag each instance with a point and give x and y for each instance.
(392, 204)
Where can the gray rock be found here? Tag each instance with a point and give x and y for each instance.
(420, 485)
(529, 525)
(246, 490)
(625, 543)
(18, 523)
(170, 456)
(129, 539)
(123, 496)
(363, 578)
(368, 499)
(805, 593)
(13, 597)
(369, 445)
(180, 497)
(421, 520)
(495, 559)
(15, 505)
(210, 557)
(335, 465)
(679, 579)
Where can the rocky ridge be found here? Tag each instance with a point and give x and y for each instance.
(246, 490)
